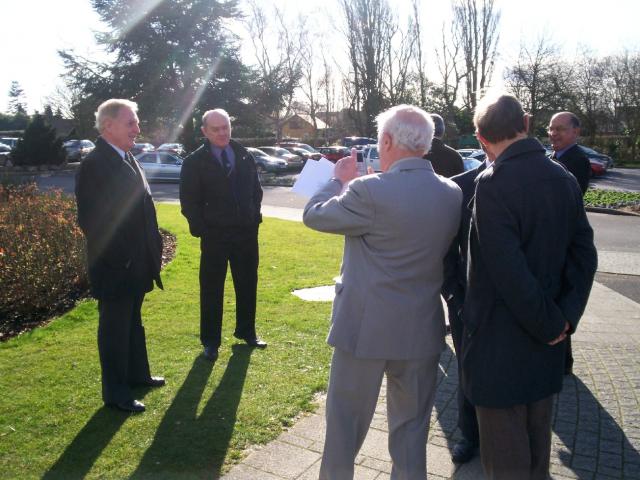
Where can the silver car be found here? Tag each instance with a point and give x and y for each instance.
(161, 166)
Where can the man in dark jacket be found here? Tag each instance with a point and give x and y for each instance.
(124, 251)
(564, 130)
(453, 291)
(444, 159)
(220, 196)
(531, 266)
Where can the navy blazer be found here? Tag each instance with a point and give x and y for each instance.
(532, 261)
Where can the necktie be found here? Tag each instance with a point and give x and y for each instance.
(226, 164)
(129, 159)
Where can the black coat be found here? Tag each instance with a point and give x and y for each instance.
(577, 162)
(210, 200)
(444, 159)
(455, 262)
(531, 266)
(118, 218)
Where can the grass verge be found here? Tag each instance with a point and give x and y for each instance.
(595, 197)
(53, 423)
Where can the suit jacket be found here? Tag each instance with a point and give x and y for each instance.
(455, 262)
(118, 218)
(577, 163)
(215, 203)
(531, 266)
(444, 159)
(397, 227)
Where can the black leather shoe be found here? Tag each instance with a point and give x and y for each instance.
(463, 451)
(133, 406)
(255, 342)
(210, 353)
(154, 382)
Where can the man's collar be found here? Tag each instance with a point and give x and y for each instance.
(121, 152)
(559, 153)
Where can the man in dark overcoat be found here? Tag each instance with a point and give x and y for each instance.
(444, 159)
(220, 195)
(124, 251)
(532, 261)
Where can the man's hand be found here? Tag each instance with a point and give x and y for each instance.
(346, 169)
(562, 336)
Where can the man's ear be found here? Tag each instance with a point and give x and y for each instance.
(527, 122)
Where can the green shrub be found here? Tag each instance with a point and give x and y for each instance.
(42, 255)
(39, 145)
(610, 198)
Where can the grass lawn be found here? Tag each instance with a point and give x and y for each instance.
(53, 423)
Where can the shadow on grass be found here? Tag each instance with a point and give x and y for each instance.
(188, 445)
(80, 455)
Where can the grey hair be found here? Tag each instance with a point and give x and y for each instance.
(219, 111)
(409, 126)
(111, 109)
(438, 124)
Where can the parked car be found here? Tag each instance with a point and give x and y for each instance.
(476, 153)
(371, 157)
(303, 146)
(77, 150)
(160, 166)
(601, 157)
(267, 163)
(294, 162)
(11, 142)
(358, 142)
(5, 152)
(175, 148)
(471, 163)
(305, 154)
(334, 153)
(139, 148)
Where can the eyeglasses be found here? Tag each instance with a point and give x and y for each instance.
(559, 129)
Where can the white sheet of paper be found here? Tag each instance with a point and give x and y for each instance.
(313, 176)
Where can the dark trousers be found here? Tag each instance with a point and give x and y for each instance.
(467, 421)
(515, 442)
(122, 347)
(240, 251)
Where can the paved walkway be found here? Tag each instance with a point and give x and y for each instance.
(596, 426)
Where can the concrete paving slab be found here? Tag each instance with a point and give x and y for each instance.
(282, 459)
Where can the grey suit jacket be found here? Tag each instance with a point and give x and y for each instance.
(397, 226)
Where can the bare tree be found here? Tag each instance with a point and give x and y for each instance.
(624, 72)
(368, 24)
(539, 79)
(476, 28)
(279, 69)
(422, 77)
(591, 98)
(452, 73)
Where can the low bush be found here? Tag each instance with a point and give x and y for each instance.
(596, 197)
(42, 255)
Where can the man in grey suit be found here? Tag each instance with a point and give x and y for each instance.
(387, 315)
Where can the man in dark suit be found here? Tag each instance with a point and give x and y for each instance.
(124, 251)
(531, 266)
(564, 130)
(444, 159)
(220, 195)
(453, 290)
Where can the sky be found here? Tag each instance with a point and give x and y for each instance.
(34, 30)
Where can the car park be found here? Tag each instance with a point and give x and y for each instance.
(77, 150)
(267, 163)
(334, 153)
(175, 148)
(294, 162)
(139, 148)
(160, 166)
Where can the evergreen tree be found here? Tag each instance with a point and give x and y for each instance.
(17, 103)
(176, 60)
(39, 145)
